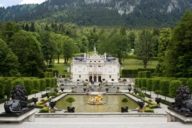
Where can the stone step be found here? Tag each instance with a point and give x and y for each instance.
(120, 122)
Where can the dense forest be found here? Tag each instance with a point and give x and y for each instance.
(137, 13)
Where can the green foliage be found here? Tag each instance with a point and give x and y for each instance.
(156, 85)
(44, 110)
(8, 61)
(149, 84)
(42, 84)
(68, 49)
(164, 87)
(189, 83)
(132, 73)
(174, 85)
(70, 100)
(28, 83)
(144, 74)
(154, 13)
(36, 84)
(27, 48)
(48, 47)
(144, 47)
(34, 91)
(178, 57)
(143, 83)
(2, 88)
(124, 100)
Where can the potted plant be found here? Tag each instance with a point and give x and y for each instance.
(70, 100)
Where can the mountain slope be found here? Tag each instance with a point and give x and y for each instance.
(101, 12)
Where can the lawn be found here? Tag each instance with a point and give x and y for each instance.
(62, 68)
(135, 64)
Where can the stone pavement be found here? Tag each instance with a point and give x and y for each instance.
(99, 122)
(153, 95)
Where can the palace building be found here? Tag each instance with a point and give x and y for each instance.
(95, 68)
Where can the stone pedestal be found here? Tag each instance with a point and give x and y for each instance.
(175, 117)
(28, 117)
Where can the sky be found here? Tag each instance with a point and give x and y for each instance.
(6, 3)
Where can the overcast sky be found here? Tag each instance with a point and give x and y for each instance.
(6, 3)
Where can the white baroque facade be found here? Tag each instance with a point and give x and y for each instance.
(95, 68)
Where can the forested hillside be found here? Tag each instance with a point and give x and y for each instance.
(134, 13)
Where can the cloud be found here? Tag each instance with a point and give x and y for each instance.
(6, 3)
(31, 1)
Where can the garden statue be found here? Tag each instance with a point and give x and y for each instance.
(71, 109)
(158, 100)
(141, 105)
(124, 109)
(183, 101)
(18, 103)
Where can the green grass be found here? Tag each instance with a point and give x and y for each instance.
(136, 64)
(62, 68)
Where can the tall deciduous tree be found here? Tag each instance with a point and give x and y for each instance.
(144, 47)
(178, 58)
(27, 48)
(132, 38)
(164, 40)
(68, 49)
(116, 44)
(8, 61)
(48, 47)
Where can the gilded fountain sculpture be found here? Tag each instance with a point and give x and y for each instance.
(96, 100)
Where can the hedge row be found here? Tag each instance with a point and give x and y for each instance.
(163, 86)
(132, 73)
(31, 84)
(144, 74)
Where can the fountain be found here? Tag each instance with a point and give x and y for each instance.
(96, 100)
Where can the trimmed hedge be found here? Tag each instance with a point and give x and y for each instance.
(156, 85)
(174, 85)
(149, 84)
(163, 85)
(144, 74)
(132, 73)
(30, 83)
(189, 83)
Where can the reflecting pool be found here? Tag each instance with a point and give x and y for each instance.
(112, 103)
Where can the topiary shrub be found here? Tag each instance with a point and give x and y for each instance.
(8, 86)
(143, 83)
(144, 74)
(44, 110)
(164, 87)
(155, 85)
(18, 81)
(174, 85)
(124, 100)
(2, 87)
(28, 85)
(36, 84)
(42, 84)
(149, 84)
(70, 100)
(189, 84)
